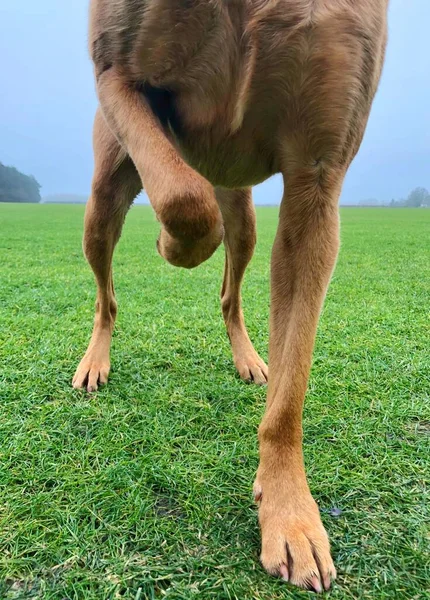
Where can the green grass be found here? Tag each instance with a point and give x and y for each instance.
(144, 490)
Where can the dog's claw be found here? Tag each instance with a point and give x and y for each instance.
(257, 493)
(283, 572)
(316, 584)
(327, 582)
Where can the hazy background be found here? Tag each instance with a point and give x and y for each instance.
(47, 103)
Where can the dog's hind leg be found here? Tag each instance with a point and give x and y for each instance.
(115, 185)
(239, 240)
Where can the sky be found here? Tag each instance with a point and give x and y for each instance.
(47, 103)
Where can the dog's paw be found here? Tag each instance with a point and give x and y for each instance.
(91, 373)
(295, 545)
(252, 368)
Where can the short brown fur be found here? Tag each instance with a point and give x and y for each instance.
(199, 101)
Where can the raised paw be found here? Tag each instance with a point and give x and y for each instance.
(295, 545)
(91, 373)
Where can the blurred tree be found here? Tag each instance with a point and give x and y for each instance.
(418, 197)
(17, 187)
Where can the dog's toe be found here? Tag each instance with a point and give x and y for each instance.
(260, 374)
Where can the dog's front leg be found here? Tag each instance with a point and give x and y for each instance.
(183, 200)
(294, 542)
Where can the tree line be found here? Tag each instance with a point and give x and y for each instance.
(418, 198)
(17, 187)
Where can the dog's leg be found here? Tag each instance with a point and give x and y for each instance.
(115, 185)
(294, 542)
(239, 240)
(183, 200)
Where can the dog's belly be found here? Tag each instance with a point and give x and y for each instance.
(228, 159)
(232, 162)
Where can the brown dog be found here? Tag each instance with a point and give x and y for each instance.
(200, 100)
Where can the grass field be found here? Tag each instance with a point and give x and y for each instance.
(144, 490)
